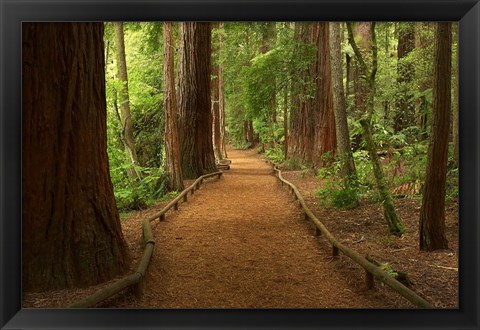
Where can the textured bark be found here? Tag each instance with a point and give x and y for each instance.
(432, 212)
(172, 142)
(302, 136)
(126, 117)
(325, 135)
(71, 234)
(312, 122)
(405, 105)
(197, 156)
(344, 149)
(395, 226)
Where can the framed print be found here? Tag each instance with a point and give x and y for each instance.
(75, 54)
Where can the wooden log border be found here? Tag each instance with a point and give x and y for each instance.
(135, 280)
(372, 271)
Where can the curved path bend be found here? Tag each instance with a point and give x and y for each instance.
(243, 242)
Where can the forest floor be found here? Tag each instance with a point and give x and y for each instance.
(243, 242)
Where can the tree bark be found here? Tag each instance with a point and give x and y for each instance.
(172, 141)
(71, 233)
(126, 117)
(197, 156)
(344, 149)
(325, 135)
(432, 212)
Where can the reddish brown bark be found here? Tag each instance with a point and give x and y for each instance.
(71, 234)
(325, 135)
(172, 142)
(196, 149)
(432, 212)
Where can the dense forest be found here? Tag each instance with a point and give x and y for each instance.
(118, 117)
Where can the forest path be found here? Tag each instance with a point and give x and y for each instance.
(242, 242)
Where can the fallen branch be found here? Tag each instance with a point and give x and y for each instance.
(443, 267)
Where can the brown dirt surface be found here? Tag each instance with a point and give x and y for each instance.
(243, 242)
(434, 274)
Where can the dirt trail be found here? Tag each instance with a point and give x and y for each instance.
(242, 242)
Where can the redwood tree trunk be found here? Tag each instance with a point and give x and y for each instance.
(71, 234)
(172, 142)
(196, 149)
(325, 136)
(432, 212)
(126, 117)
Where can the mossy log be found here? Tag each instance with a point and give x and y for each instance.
(400, 276)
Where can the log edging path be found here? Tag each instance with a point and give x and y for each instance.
(135, 279)
(371, 270)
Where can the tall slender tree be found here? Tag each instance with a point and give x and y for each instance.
(126, 116)
(71, 233)
(344, 149)
(172, 142)
(395, 226)
(196, 146)
(432, 212)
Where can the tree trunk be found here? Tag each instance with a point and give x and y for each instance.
(221, 103)
(71, 234)
(127, 127)
(325, 135)
(432, 212)
(395, 226)
(302, 126)
(215, 92)
(172, 142)
(197, 156)
(344, 149)
(405, 105)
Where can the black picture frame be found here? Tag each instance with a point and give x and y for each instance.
(14, 12)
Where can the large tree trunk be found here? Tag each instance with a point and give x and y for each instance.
(126, 116)
(405, 105)
(325, 136)
(302, 126)
(395, 226)
(194, 100)
(432, 212)
(71, 234)
(344, 149)
(172, 142)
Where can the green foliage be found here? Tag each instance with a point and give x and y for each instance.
(334, 195)
(275, 154)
